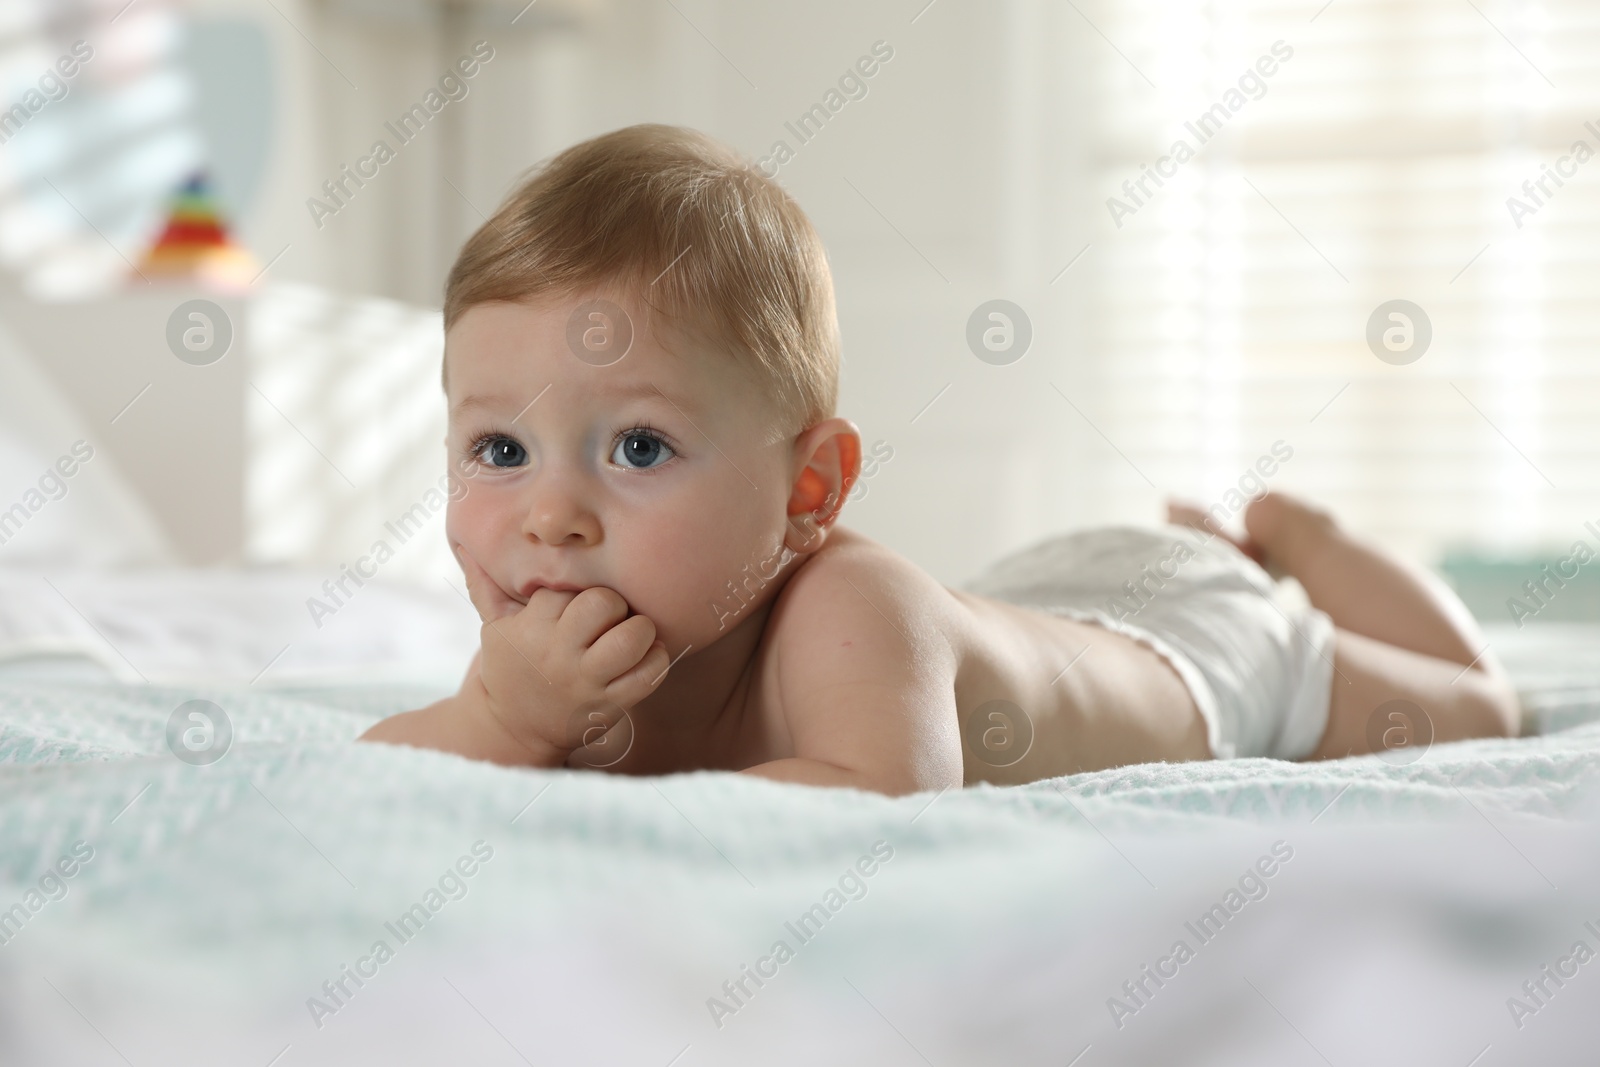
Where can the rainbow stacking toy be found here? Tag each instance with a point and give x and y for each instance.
(195, 245)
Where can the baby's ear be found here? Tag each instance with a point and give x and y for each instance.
(827, 462)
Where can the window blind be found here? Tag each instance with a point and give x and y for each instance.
(1384, 157)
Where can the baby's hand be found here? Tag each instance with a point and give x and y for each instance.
(559, 671)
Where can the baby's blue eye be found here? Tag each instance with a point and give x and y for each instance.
(499, 451)
(641, 451)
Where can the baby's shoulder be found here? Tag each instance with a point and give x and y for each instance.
(855, 580)
(861, 669)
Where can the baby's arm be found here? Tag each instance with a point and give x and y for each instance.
(462, 724)
(866, 680)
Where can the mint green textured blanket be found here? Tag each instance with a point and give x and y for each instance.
(225, 906)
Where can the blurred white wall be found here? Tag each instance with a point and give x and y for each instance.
(958, 178)
(1168, 355)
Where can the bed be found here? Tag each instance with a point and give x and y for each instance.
(230, 911)
(197, 866)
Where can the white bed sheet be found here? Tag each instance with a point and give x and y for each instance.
(221, 898)
(186, 625)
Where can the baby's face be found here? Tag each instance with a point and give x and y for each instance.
(659, 476)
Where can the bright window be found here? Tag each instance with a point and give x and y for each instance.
(1373, 163)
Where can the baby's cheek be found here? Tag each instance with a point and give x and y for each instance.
(696, 564)
(455, 520)
(715, 592)
(675, 590)
(470, 521)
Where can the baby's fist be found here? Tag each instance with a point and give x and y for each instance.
(560, 671)
(616, 651)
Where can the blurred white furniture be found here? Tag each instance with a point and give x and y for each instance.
(172, 431)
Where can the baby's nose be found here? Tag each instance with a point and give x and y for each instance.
(559, 512)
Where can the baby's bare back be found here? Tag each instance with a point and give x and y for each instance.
(867, 660)
(1090, 697)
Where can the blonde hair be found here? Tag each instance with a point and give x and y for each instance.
(696, 234)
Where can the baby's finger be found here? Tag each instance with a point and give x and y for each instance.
(616, 650)
(632, 687)
(485, 593)
(590, 614)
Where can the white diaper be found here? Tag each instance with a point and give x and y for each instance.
(1260, 668)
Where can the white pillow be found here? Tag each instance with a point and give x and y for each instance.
(192, 625)
(91, 517)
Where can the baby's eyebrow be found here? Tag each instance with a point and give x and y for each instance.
(649, 390)
(642, 390)
(473, 402)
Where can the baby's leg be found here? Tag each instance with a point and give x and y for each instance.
(1402, 633)
(1363, 588)
(1459, 702)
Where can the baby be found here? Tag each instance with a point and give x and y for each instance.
(641, 367)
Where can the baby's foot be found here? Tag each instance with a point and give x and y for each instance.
(1287, 528)
(1183, 513)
